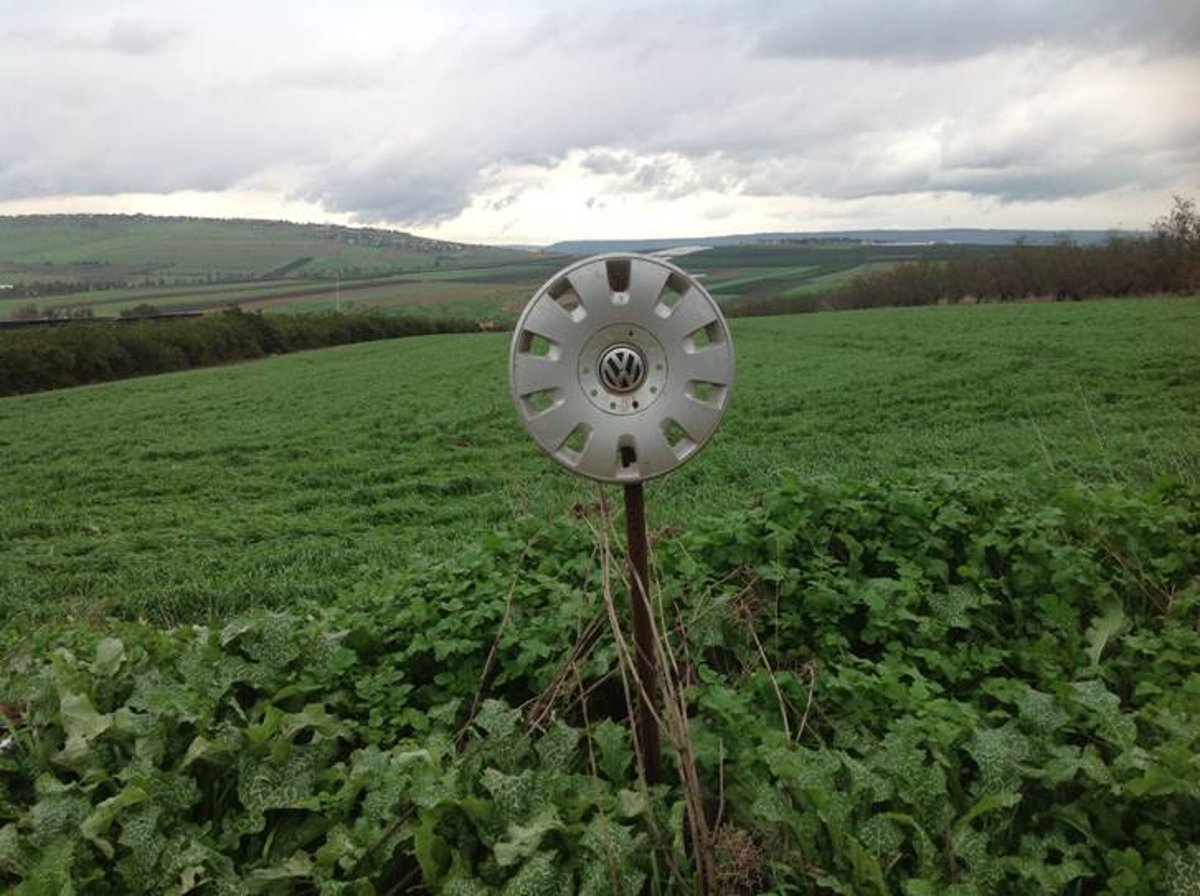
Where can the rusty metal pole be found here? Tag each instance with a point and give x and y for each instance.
(645, 656)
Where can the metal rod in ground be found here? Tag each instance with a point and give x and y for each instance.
(645, 664)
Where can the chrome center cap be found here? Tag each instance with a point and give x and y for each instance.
(622, 368)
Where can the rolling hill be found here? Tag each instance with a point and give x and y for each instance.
(946, 236)
(147, 250)
(105, 265)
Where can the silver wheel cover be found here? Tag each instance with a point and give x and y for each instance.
(621, 367)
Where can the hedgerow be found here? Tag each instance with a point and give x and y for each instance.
(82, 352)
(940, 686)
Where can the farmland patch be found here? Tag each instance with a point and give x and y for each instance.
(119, 496)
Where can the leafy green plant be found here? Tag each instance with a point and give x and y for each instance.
(938, 685)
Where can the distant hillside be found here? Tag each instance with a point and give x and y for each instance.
(143, 249)
(959, 236)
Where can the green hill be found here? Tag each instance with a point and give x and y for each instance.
(105, 265)
(136, 250)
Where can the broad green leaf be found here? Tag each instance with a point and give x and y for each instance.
(522, 841)
(82, 725)
(109, 654)
(1040, 712)
(990, 803)
(430, 850)
(298, 866)
(51, 873)
(881, 835)
(1117, 727)
(10, 847)
(1103, 629)
(918, 886)
(537, 877)
(631, 803)
(96, 825)
(80, 719)
(556, 748)
(922, 843)
(613, 746)
(203, 748)
(460, 883)
(517, 797)
(234, 629)
(59, 808)
(998, 753)
(1183, 872)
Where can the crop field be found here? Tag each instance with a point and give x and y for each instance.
(396, 679)
(122, 262)
(490, 292)
(118, 496)
(744, 274)
(95, 246)
(476, 299)
(481, 297)
(196, 264)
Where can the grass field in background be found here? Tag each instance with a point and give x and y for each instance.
(194, 264)
(191, 495)
(83, 247)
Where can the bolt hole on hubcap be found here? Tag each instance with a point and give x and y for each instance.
(621, 367)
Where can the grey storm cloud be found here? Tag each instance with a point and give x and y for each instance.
(608, 162)
(1053, 169)
(938, 30)
(406, 117)
(396, 190)
(122, 36)
(138, 37)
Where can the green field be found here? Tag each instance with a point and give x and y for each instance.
(193, 264)
(192, 495)
(469, 292)
(741, 276)
(100, 247)
(928, 599)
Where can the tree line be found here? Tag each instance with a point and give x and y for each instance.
(60, 287)
(1163, 263)
(82, 352)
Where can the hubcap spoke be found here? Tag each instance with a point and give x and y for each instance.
(591, 285)
(709, 365)
(547, 318)
(697, 419)
(552, 427)
(600, 454)
(646, 282)
(536, 374)
(695, 310)
(653, 451)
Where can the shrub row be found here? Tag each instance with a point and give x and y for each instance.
(1120, 267)
(1167, 262)
(90, 352)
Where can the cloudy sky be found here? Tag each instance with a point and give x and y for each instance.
(532, 121)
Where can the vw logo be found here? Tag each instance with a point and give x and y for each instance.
(622, 368)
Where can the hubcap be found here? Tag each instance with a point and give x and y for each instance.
(621, 367)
